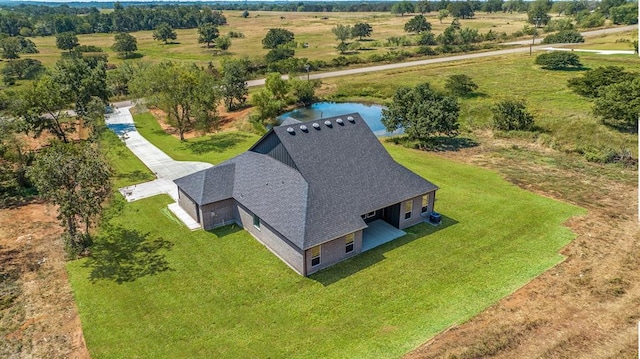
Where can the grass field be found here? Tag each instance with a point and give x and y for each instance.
(565, 119)
(311, 28)
(154, 289)
(213, 148)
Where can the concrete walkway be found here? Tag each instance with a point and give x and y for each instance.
(164, 167)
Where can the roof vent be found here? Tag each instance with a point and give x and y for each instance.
(340, 122)
(291, 130)
(316, 125)
(328, 123)
(304, 128)
(351, 119)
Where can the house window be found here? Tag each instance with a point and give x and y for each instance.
(425, 203)
(256, 221)
(315, 256)
(348, 242)
(408, 207)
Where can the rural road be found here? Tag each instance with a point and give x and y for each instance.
(362, 70)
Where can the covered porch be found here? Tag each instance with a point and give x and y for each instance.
(378, 233)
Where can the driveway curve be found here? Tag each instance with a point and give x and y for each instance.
(164, 167)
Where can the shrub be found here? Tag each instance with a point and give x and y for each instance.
(236, 35)
(558, 60)
(88, 48)
(460, 85)
(564, 36)
(512, 115)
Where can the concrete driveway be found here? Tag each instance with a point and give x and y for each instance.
(164, 167)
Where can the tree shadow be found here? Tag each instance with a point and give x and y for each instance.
(436, 144)
(124, 255)
(136, 176)
(225, 230)
(475, 95)
(364, 260)
(216, 143)
(134, 55)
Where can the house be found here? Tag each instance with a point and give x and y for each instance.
(309, 191)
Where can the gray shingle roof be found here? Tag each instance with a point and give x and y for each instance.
(340, 172)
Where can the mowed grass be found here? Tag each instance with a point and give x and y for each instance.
(308, 27)
(213, 148)
(566, 120)
(166, 292)
(127, 168)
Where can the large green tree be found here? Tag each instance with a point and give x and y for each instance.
(75, 178)
(67, 41)
(417, 24)
(235, 73)
(423, 113)
(82, 80)
(125, 44)
(361, 29)
(207, 34)
(277, 37)
(187, 94)
(403, 7)
(538, 13)
(278, 86)
(164, 32)
(43, 107)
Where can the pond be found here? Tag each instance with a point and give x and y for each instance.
(370, 113)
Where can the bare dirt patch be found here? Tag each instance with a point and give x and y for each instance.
(585, 307)
(228, 121)
(38, 315)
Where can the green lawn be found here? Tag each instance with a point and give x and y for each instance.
(156, 290)
(127, 167)
(212, 148)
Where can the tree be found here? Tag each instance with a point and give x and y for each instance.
(460, 9)
(278, 54)
(125, 44)
(443, 14)
(276, 38)
(67, 41)
(422, 112)
(119, 78)
(268, 107)
(460, 85)
(402, 7)
(538, 13)
(625, 14)
(564, 36)
(342, 32)
(223, 43)
(186, 93)
(361, 29)
(511, 115)
(277, 86)
(235, 74)
(558, 60)
(245, 14)
(10, 48)
(493, 6)
(417, 24)
(75, 178)
(164, 32)
(619, 104)
(81, 80)
(23, 69)
(43, 107)
(303, 91)
(208, 34)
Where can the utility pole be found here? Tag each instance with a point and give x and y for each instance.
(535, 31)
